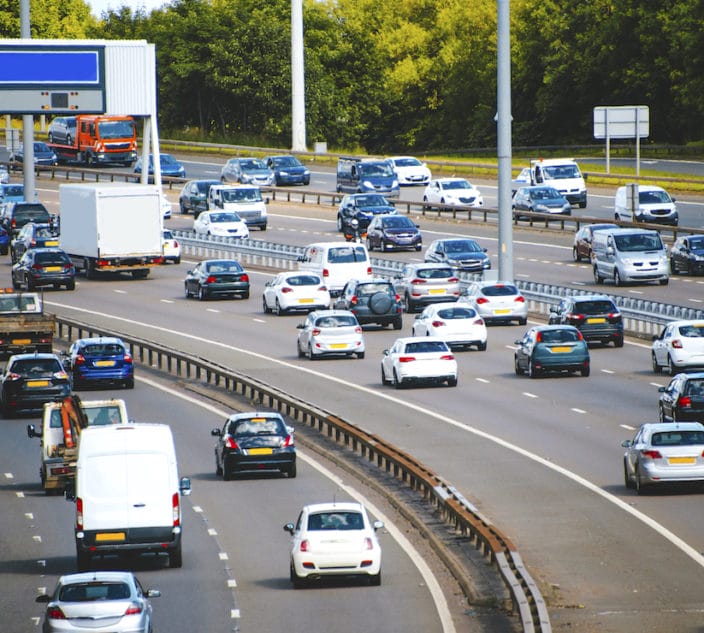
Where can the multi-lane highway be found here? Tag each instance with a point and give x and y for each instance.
(541, 458)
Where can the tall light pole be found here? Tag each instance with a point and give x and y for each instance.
(503, 120)
(27, 119)
(298, 91)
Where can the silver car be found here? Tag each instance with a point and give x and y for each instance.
(330, 333)
(248, 171)
(497, 301)
(421, 284)
(664, 452)
(98, 601)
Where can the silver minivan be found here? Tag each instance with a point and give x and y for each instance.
(629, 255)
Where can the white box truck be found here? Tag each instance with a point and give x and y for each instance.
(111, 227)
(128, 493)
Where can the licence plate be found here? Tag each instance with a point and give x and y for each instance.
(37, 383)
(52, 243)
(338, 345)
(260, 451)
(305, 301)
(104, 363)
(21, 341)
(601, 320)
(680, 460)
(436, 291)
(562, 349)
(503, 311)
(102, 537)
(52, 269)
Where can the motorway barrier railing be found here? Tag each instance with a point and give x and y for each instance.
(642, 318)
(454, 509)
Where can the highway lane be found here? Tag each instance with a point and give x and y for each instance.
(235, 573)
(583, 547)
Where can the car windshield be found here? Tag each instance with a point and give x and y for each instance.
(34, 212)
(17, 303)
(696, 243)
(558, 336)
(695, 387)
(638, 242)
(398, 222)
(347, 254)
(45, 231)
(376, 169)
(204, 187)
(93, 591)
(562, 172)
(13, 190)
(426, 347)
(119, 129)
(373, 288)
(224, 217)
(371, 201)
(455, 184)
(224, 267)
(36, 366)
(286, 161)
(241, 195)
(407, 162)
(253, 164)
(598, 306)
(678, 438)
(167, 235)
(456, 313)
(544, 193)
(257, 426)
(434, 273)
(462, 246)
(653, 197)
(51, 259)
(342, 520)
(102, 349)
(336, 321)
(302, 280)
(167, 159)
(41, 147)
(692, 331)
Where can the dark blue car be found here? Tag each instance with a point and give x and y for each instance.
(99, 361)
(288, 170)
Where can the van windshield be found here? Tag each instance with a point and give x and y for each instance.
(654, 197)
(638, 242)
(562, 172)
(377, 169)
(116, 129)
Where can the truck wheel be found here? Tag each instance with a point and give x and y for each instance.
(88, 269)
(140, 274)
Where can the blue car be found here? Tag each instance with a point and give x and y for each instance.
(550, 348)
(4, 241)
(169, 166)
(288, 170)
(101, 360)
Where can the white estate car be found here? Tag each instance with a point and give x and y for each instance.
(293, 291)
(679, 347)
(458, 324)
(334, 539)
(220, 223)
(452, 192)
(419, 359)
(410, 170)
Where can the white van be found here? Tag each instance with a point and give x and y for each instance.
(127, 493)
(562, 174)
(245, 200)
(336, 263)
(645, 203)
(629, 255)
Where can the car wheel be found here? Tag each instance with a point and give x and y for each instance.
(309, 352)
(617, 279)
(398, 384)
(641, 488)
(418, 247)
(360, 355)
(370, 248)
(598, 279)
(409, 304)
(382, 246)
(575, 254)
(186, 291)
(226, 471)
(383, 376)
(657, 367)
(299, 351)
(522, 321)
(375, 580)
(296, 580)
(397, 323)
(71, 285)
(482, 347)
(182, 208)
(452, 382)
(29, 283)
(533, 371)
(671, 369)
(291, 471)
(517, 367)
(177, 260)
(585, 371)
(618, 341)
(339, 224)
(265, 307)
(16, 284)
(218, 469)
(626, 479)
(202, 294)
(664, 282)
(278, 309)
(176, 557)
(661, 414)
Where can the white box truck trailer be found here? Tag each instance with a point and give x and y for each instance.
(111, 227)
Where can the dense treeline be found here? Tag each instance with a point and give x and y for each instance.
(388, 76)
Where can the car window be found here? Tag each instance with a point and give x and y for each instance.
(694, 388)
(257, 426)
(48, 259)
(346, 255)
(103, 349)
(434, 273)
(335, 521)
(373, 288)
(501, 290)
(90, 592)
(559, 336)
(678, 438)
(456, 313)
(336, 321)
(692, 331)
(426, 347)
(303, 280)
(595, 307)
(36, 366)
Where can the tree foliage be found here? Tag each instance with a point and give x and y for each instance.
(414, 75)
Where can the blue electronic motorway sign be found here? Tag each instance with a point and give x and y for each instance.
(51, 78)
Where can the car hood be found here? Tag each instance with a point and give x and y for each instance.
(467, 255)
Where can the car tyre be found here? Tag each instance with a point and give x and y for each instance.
(618, 341)
(585, 371)
(598, 279)
(299, 350)
(533, 371)
(278, 309)
(641, 488)
(309, 352)
(671, 369)
(657, 367)
(291, 471)
(398, 384)
(375, 580)
(661, 414)
(523, 321)
(384, 381)
(397, 323)
(360, 355)
(409, 304)
(673, 267)
(218, 469)
(452, 382)
(71, 285)
(482, 347)
(664, 282)
(202, 295)
(265, 308)
(380, 303)
(575, 254)
(296, 580)
(517, 367)
(626, 479)
(617, 279)
(370, 248)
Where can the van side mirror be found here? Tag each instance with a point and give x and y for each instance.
(32, 431)
(609, 250)
(184, 486)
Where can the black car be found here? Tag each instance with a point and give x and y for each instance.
(372, 301)
(43, 154)
(539, 199)
(30, 380)
(194, 196)
(393, 232)
(18, 213)
(254, 442)
(44, 267)
(595, 316)
(687, 255)
(34, 235)
(683, 399)
(361, 207)
(462, 254)
(288, 170)
(217, 278)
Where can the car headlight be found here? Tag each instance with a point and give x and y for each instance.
(394, 184)
(541, 208)
(368, 184)
(306, 172)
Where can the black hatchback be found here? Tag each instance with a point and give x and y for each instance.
(595, 316)
(30, 380)
(217, 278)
(683, 399)
(44, 267)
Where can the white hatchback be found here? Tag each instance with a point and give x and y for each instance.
(410, 170)
(334, 539)
(330, 333)
(458, 325)
(292, 291)
(220, 223)
(453, 192)
(679, 347)
(419, 359)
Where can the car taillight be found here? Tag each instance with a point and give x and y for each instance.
(37, 267)
(575, 317)
(127, 358)
(286, 289)
(33, 242)
(244, 277)
(397, 297)
(438, 323)
(685, 402)
(369, 269)
(479, 322)
(358, 329)
(210, 279)
(539, 337)
(368, 543)
(353, 300)
(415, 282)
(579, 336)
(13, 223)
(134, 609)
(60, 375)
(447, 357)
(80, 359)
(13, 376)
(482, 300)
(520, 299)
(305, 545)
(175, 510)
(614, 316)
(79, 513)
(326, 272)
(453, 280)
(653, 454)
(323, 289)
(288, 441)
(315, 331)
(55, 613)
(230, 443)
(406, 359)
(677, 344)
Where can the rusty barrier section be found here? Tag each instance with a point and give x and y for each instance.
(453, 508)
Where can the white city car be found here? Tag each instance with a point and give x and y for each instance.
(679, 347)
(457, 324)
(453, 192)
(220, 223)
(419, 359)
(410, 170)
(295, 291)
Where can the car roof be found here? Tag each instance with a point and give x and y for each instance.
(99, 576)
(335, 505)
(672, 426)
(99, 339)
(600, 297)
(38, 355)
(630, 231)
(420, 339)
(246, 415)
(430, 265)
(319, 313)
(686, 322)
(500, 282)
(450, 179)
(557, 326)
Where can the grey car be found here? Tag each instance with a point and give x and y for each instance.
(422, 284)
(96, 601)
(662, 453)
(372, 301)
(248, 171)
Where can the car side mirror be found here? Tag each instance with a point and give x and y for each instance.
(386, 352)
(627, 443)
(216, 432)
(45, 597)
(289, 527)
(662, 389)
(153, 593)
(377, 525)
(553, 309)
(301, 326)
(266, 200)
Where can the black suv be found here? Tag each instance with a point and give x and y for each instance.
(595, 316)
(372, 301)
(683, 399)
(19, 213)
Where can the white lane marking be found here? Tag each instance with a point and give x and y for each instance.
(223, 556)
(429, 578)
(216, 311)
(120, 292)
(527, 394)
(645, 519)
(577, 410)
(484, 380)
(628, 427)
(231, 583)
(608, 371)
(9, 476)
(167, 300)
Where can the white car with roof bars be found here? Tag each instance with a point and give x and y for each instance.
(410, 171)
(221, 224)
(295, 291)
(330, 333)
(497, 301)
(334, 539)
(452, 192)
(418, 359)
(679, 347)
(457, 324)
